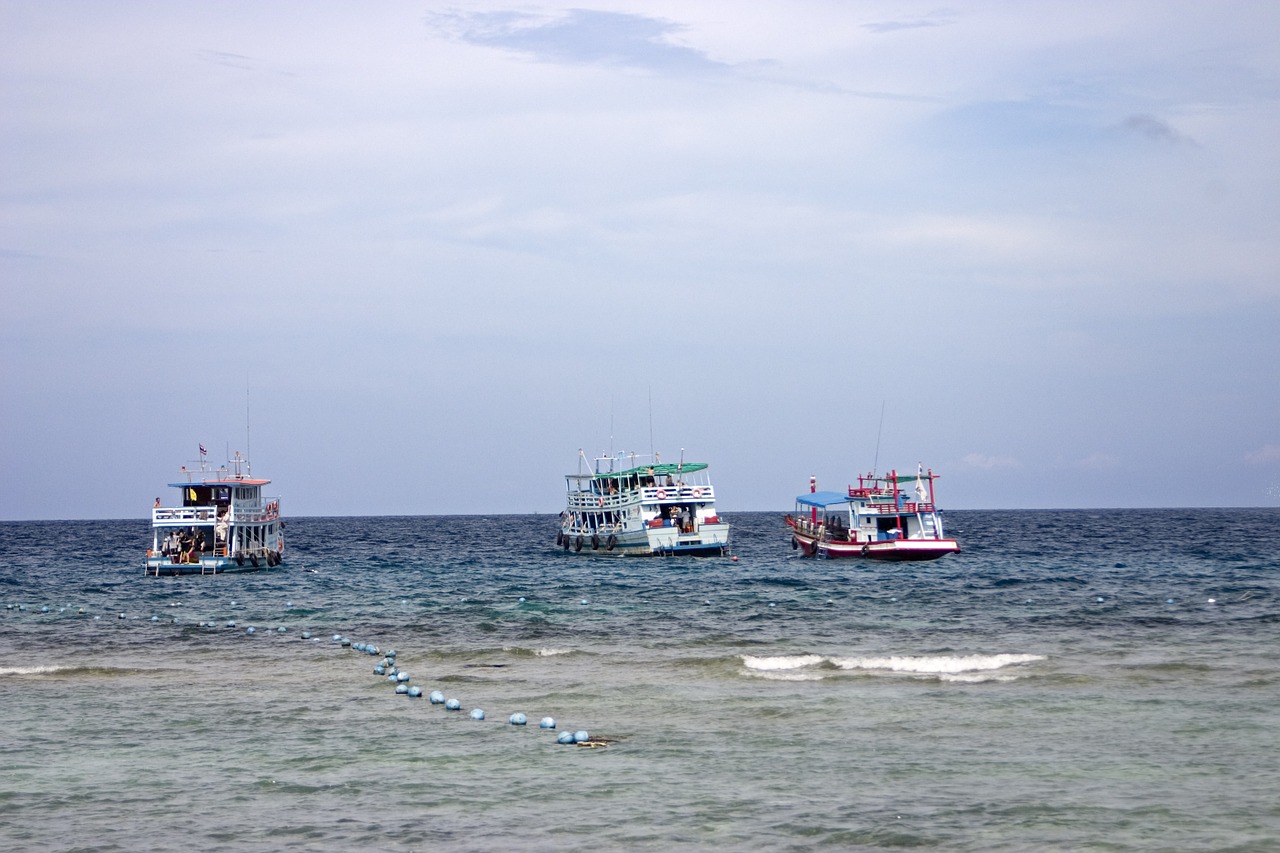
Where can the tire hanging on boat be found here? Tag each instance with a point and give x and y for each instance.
(610, 542)
(577, 544)
(253, 558)
(794, 543)
(559, 536)
(595, 541)
(240, 559)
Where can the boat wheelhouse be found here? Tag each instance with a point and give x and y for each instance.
(663, 509)
(224, 523)
(889, 517)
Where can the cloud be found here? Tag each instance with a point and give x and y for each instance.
(982, 460)
(581, 37)
(1268, 455)
(1155, 129)
(1098, 461)
(936, 20)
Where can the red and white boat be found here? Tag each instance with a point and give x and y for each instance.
(889, 517)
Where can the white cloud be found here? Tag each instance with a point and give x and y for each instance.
(988, 462)
(1268, 454)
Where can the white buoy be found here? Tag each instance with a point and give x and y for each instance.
(547, 723)
(581, 736)
(518, 719)
(565, 737)
(230, 624)
(415, 692)
(250, 630)
(402, 689)
(477, 714)
(379, 670)
(452, 705)
(436, 697)
(403, 676)
(282, 630)
(306, 635)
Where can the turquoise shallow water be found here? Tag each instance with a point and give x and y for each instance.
(1072, 681)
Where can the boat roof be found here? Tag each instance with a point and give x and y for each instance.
(822, 499)
(659, 469)
(242, 481)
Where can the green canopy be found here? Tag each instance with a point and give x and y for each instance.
(662, 469)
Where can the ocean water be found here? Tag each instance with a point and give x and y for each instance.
(1074, 680)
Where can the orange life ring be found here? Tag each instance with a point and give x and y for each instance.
(697, 493)
(662, 494)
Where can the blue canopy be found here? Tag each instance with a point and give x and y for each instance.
(822, 499)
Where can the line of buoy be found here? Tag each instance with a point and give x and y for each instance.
(388, 668)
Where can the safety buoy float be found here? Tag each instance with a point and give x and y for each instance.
(697, 493)
(662, 494)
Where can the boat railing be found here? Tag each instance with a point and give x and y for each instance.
(269, 510)
(186, 514)
(677, 491)
(614, 500)
(904, 509)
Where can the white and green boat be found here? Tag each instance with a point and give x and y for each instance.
(662, 509)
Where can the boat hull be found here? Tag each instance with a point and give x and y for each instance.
(892, 550)
(157, 566)
(709, 540)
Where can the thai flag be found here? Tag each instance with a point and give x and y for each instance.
(202, 450)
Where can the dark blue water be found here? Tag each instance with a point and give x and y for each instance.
(1074, 680)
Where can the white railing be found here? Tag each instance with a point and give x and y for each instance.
(236, 514)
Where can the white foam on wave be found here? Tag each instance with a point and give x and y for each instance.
(942, 665)
(783, 662)
(550, 653)
(31, 670)
(957, 668)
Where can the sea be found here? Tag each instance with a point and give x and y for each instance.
(1073, 680)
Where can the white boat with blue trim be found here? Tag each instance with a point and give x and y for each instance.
(223, 524)
(663, 509)
(888, 517)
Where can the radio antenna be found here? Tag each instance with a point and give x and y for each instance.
(876, 464)
(651, 452)
(248, 444)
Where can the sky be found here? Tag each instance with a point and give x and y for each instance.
(413, 257)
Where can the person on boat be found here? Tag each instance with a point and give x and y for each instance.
(157, 503)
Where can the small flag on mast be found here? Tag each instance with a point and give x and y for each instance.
(202, 450)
